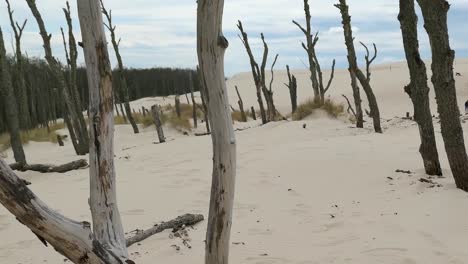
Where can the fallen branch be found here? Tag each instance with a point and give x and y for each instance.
(350, 108)
(47, 168)
(179, 222)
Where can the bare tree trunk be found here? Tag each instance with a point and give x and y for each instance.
(241, 106)
(365, 82)
(309, 47)
(10, 107)
(56, 69)
(254, 116)
(435, 23)
(21, 89)
(255, 72)
(123, 81)
(107, 225)
(156, 110)
(211, 46)
(194, 104)
(418, 89)
(177, 106)
(346, 21)
(292, 86)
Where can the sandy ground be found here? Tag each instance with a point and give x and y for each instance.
(325, 194)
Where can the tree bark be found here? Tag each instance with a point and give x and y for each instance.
(107, 225)
(255, 72)
(56, 69)
(309, 47)
(123, 81)
(292, 86)
(21, 89)
(435, 23)
(418, 89)
(211, 46)
(156, 110)
(194, 104)
(10, 107)
(352, 60)
(48, 168)
(178, 223)
(241, 106)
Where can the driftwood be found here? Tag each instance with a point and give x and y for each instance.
(175, 224)
(47, 168)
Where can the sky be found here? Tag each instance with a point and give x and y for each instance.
(157, 33)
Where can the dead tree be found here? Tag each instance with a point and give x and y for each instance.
(255, 72)
(350, 107)
(203, 95)
(194, 104)
(241, 106)
(309, 47)
(352, 60)
(292, 86)
(365, 82)
(270, 91)
(435, 22)
(324, 89)
(9, 105)
(75, 114)
(254, 116)
(156, 111)
(211, 46)
(418, 89)
(177, 106)
(356, 73)
(21, 89)
(124, 95)
(268, 94)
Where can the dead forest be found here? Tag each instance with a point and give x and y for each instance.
(84, 104)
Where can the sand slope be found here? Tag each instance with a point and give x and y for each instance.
(315, 195)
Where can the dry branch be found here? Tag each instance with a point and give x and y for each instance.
(48, 168)
(175, 224)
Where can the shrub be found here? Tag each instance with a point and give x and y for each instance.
(311, 105)
(237, 116)
(40, 134)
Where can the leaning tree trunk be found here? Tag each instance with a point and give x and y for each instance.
(156, 111)
(123, 82)
(418, 89)
(21, 89)
(435, 23)
(352, 60)
(10, 107)
(56, 70)
(211, 46)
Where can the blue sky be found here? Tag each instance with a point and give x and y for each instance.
(163, 33)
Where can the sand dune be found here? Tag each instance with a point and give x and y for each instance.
(325, 194)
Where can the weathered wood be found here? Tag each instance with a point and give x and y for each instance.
(175, 224)
(435, 22)
(418, 89)
(48, 168)
(211, 46)
(107, 224)
(241, 106)
(254, 115)
(177, 106)
(124, 95)
(309, 47)
(9, 105)
(352, 60)
(156, 111)
(350, 107)
(255, 72)
(292, 86)
(194, 104)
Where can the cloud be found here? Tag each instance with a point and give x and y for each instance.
(163, 33)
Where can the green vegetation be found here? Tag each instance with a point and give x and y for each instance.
(307, 108)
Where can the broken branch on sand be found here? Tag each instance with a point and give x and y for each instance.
(46, 168)
(179, 222)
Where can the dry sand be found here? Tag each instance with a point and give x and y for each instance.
(315, 195)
